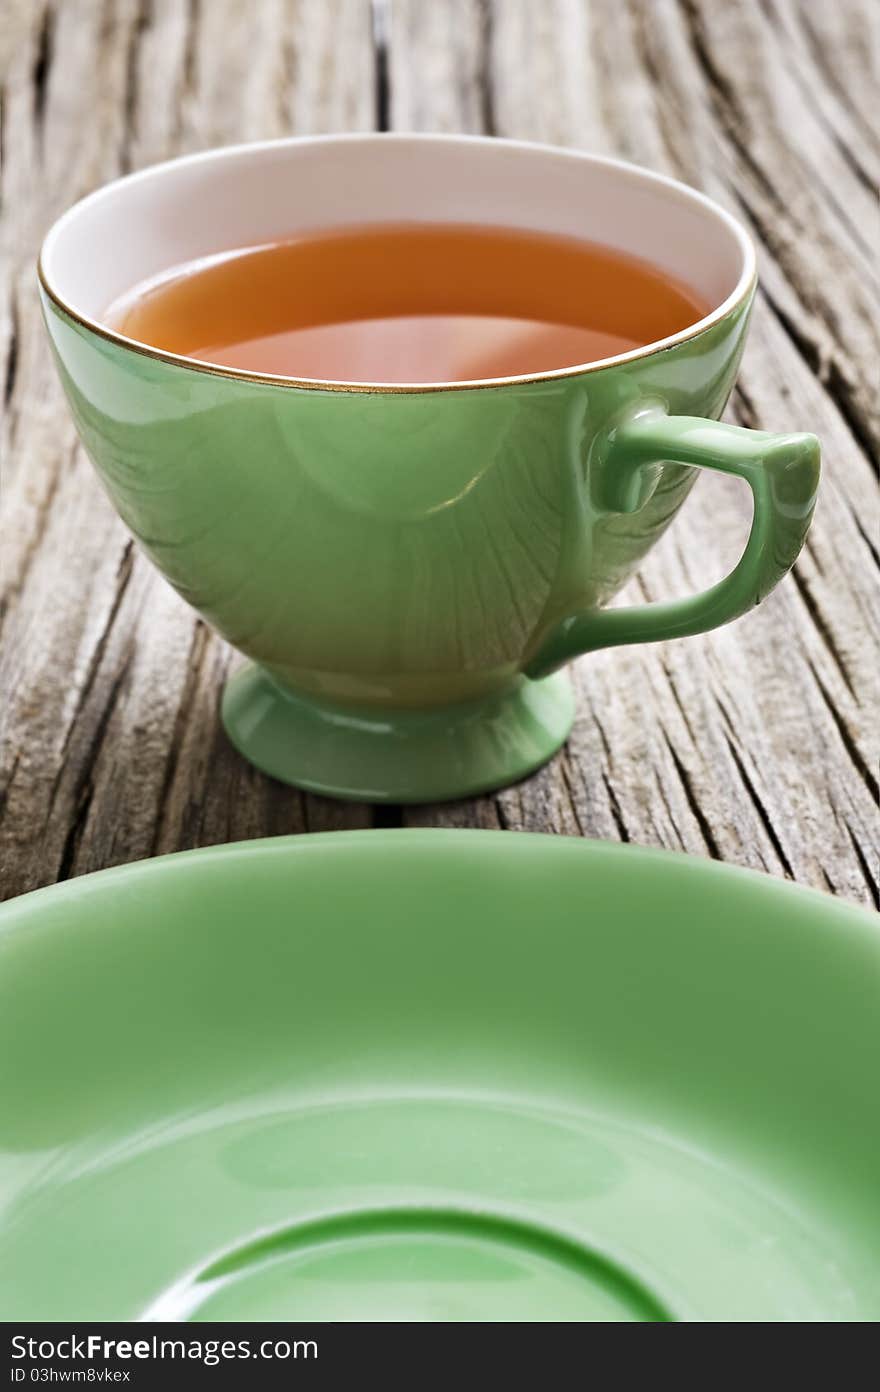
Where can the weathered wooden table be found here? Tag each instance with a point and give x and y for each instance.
(757, 743)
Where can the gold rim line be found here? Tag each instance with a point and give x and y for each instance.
(392, 388)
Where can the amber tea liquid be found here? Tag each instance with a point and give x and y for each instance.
(413, 302)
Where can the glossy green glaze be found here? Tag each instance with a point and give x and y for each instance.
(410, 551)
(408, 755)
(437, 1075)
(783, 474)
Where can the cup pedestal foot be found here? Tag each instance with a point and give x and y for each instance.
(373, 754)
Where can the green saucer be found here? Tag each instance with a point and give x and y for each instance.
(428, 1075)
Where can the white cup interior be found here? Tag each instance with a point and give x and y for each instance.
(140, 227)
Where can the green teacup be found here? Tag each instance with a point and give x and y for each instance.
(409, 566)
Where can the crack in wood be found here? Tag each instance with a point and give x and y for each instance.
(758, 804)
(614, 806)
(824, 631)
(811, 551)
(568, 784)
(682, 709)
(84, 790)
(195, 658)
(731, 116)
(603, 738)
(849, 744)
(827, 371)
(11, 350)
(722, 97)
(669, 812)
(691, 798)
(381, 32)
(744, 407)
(808, 84)
(869, 541)
(76, 831)
(42, 66)
(488, 122)
(871, 878)
(829, 74)
(823, 365)
(856, 169)
(123, 576)
(7, 784)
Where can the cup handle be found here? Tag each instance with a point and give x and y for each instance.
(783, 474)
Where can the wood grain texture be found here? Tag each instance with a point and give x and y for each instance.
(757, 743)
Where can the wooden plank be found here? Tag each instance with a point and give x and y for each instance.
(437, 74)
(755, 743)
(109, 739)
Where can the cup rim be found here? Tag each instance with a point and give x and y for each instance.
(740, 293)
